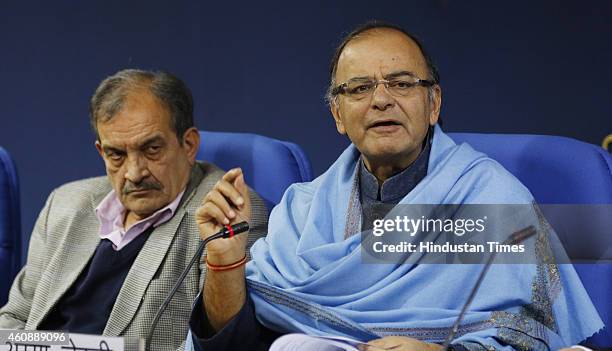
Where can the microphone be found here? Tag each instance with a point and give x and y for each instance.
(227, 232)
(514, 239)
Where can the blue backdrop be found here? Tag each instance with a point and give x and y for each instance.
(262, 67)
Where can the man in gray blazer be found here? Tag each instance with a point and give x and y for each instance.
(106, 251)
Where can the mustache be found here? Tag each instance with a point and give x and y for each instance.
(130, 187)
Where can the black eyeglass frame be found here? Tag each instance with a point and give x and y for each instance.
(341, 89)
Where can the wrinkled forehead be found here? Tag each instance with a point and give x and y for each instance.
(141, 118)
(379, 52)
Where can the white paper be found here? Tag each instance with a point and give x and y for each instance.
(77, 342)
(303, 342)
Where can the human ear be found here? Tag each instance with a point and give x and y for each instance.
(191, 143)
(335, 111)
(435, 101)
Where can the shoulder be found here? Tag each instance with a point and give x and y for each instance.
(211, 174)
(208, 175)
(81, 194)
(87, 185)
(472, 176)
(489, 182)
(71, 206)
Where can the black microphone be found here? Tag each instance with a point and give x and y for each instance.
(227, 232)
(514, 239)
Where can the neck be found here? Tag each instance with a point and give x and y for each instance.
(130, 218)
(385, 168)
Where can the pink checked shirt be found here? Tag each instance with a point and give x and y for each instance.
(110, 213)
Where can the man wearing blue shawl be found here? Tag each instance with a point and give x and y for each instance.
(307, 275)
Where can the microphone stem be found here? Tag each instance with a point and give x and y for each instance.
(467, 304)
(195, 257)
(515, 238)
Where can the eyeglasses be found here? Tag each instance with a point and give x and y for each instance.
(399, 86)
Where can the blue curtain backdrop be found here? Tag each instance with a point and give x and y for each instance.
(507, 67)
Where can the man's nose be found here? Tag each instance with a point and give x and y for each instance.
(381, 99)
(136, 169)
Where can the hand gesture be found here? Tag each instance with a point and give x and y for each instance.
(226, 204)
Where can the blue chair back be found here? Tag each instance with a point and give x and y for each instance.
(10, 225)
(269, 165)
(559, 170)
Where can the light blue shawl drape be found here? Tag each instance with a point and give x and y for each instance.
(306, 277)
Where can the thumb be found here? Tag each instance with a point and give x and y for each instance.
(241, 186)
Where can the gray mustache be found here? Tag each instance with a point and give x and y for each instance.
(144, 185)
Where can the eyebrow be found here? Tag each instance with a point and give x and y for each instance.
(360, 78)
(107, 149)
(399, 74)
(152, 140)
(388, 76)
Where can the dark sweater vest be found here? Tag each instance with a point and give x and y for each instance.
(87, 305)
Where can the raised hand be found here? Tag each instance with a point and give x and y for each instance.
(227, 203)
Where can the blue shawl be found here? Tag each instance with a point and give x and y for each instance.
(307, 275)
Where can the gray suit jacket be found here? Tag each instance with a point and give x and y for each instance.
(66, 235)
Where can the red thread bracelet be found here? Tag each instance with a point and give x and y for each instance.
(214, 267)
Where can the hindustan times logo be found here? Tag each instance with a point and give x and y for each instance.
(457, 226)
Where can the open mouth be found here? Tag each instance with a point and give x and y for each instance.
(385, 124)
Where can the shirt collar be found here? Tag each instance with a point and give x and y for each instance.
(399, 185)
(110, 212)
